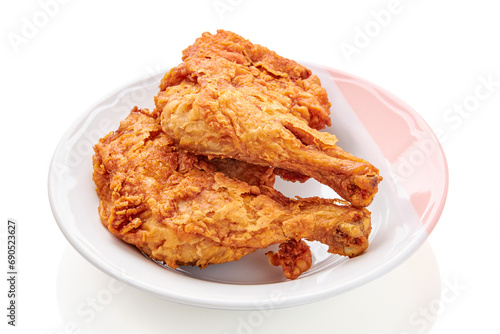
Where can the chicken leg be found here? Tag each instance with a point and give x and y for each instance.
(179, 208)
(231, 98)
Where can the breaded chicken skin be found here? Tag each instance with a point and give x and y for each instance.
(181, 208)
(234, 99)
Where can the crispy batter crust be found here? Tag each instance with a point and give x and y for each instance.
(231, 98)
(294, 256)
(183, 209)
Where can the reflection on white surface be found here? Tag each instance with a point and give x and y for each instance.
(399, 302)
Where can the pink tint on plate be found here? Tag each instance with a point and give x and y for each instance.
(406, 141)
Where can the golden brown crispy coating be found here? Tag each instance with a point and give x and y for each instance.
(234, 99)
(294, 256)
(285, 81)
(178, 208)
(251, 174)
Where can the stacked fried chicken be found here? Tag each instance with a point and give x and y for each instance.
(191, 182)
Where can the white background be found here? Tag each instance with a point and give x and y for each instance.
(60, 57)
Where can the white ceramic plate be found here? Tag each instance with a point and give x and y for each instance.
(369, 122)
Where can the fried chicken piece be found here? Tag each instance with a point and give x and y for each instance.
(176, 207)
(294, 256)
(231, 98)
